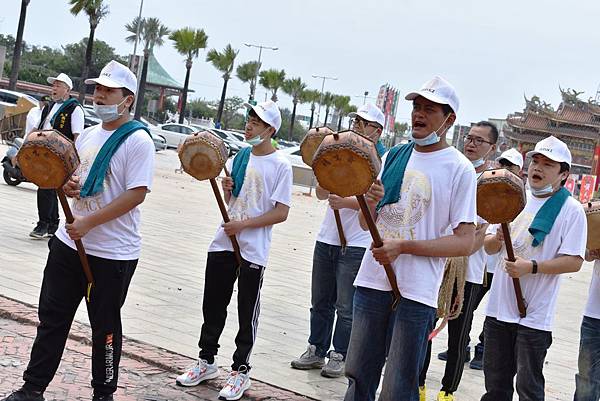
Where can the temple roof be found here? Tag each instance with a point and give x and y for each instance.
(158, 76)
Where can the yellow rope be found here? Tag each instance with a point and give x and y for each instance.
(449, 307)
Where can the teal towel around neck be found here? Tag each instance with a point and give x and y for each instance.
(62, 107)
(545, 217)
(380, 148)
(95, 179)
(238, 170)
(393, 173)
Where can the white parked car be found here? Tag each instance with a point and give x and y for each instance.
(294, 156)
(173, 133)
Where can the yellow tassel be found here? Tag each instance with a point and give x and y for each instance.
(89, 292)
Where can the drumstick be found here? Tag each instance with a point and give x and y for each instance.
(340, 228)
(378, 243)
(80, 249)
(225, 215)
(516, 281)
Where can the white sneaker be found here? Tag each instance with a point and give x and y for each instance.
(198, 373)
(237, 383)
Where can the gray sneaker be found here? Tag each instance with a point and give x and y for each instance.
(335, 365)
(309, 360)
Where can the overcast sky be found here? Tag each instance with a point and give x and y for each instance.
(492, 51)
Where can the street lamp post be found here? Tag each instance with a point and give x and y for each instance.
(365, 96)
(324, 78)
(260, 49)
(139, 64)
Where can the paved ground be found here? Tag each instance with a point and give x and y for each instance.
(164, 303)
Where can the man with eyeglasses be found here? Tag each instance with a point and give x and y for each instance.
(335, 267)
(479, 145)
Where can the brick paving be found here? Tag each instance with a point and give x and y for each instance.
(147, 372)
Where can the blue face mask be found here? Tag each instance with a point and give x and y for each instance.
(547, 190)
(257, 140)
(480, 162)
(430, 139)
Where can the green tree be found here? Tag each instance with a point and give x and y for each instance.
(340, 103)
(230, 109)
(247, 73)
(152, 33)
(294, 88)
(16, 59)
(327, 101)
(223, 61)
(188, 42)
(311, 96)
(272, 80)
(95, 10)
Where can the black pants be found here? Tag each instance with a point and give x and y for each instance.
(458, 339)
(47, 204)
(483, 290)
(221, 274)
(63, 287)
(512, 349)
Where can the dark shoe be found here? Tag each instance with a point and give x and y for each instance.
(477, 362)
(51, 230)
(40, 231)
(25, 395)
(103, 398)
(443, 356)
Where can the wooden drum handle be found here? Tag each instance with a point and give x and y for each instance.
(516, 282)
(378, 243)
(80, 249)
(340, 228)
(225, 215)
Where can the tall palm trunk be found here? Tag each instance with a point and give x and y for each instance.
(16, 61)
(222, 103)
(188, 67)
(339, 125)
(293, 119)
(140, 96)
(87, 63)
(312, 116)
(326, 115)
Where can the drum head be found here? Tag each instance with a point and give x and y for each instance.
(203, 155)
(311, 142)
(500, 196)
(342, 172)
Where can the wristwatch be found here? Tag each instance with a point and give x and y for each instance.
(535, 266)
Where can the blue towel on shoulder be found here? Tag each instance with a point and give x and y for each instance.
(393, 173)
(95, 180)
(380, 148)
(545, 217)
(238, 170)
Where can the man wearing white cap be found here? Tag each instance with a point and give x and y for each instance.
(65, 115)
(549, 238)
(511, 160)
(428, 187)
(117, 162)
(335, 266)
(259, 194)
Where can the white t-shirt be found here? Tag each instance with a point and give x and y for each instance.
(476, 266)
(567, 237)
(268, 181)
(77, 119)
(592, 309)
(132, 166)
(492, 262)
(33, 119)
(438, 192)
(354, 234)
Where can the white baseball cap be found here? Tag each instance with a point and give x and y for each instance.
(513, 156)
(267, 112)
(438, 90)
(62, 77)
(115, 75)
(369, 112)
(553, 148)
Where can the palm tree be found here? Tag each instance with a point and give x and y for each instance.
(95, 10)
(340, 102)
(293, 87)
(311, 96)
(152, 32)
(223, 61)
(247, 73)
(272, 80)
(16, 61)
(350, 109)
(327, 101)
(188, 42)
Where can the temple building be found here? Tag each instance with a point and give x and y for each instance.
(576, 122)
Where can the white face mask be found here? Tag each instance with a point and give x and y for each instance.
(108, 112)
(430, 139)
(257, 140)
(480, 162)
(540, 192)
